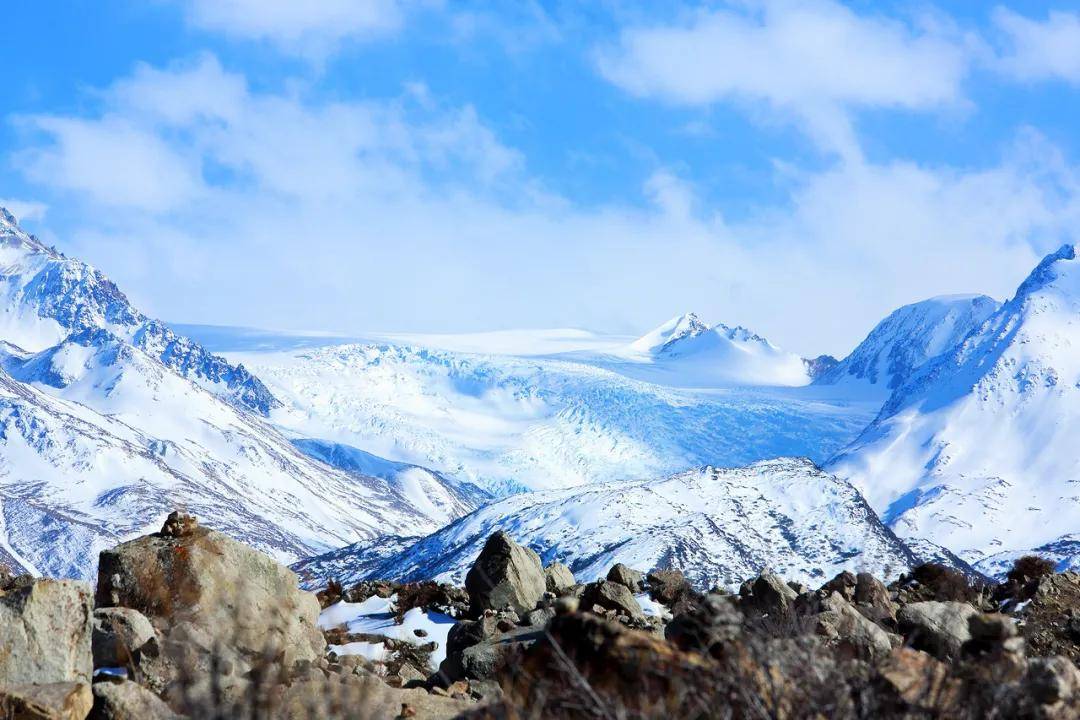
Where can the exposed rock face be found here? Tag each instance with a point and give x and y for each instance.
(506, 575)
(708, 626)
(558, 578)
(919, 681)
(45, 633)
(628, 577)
(236, 595)
(771, 595)
(667, 586)
(872, 599)
(119, 636)
(50, 701)
(1051, 618)
(126, 700)
(611, 596)
(939, 628)
(844, 626)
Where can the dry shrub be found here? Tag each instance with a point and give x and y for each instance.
(1030, 567)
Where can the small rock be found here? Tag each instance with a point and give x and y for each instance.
(667, 586)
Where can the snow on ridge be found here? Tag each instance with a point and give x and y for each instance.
(719, 526)
(977, 451)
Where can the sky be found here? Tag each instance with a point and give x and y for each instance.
(799, 168)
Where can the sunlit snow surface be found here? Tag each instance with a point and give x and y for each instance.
(718, 526)
(980, 451)
(511, 423)
(376, 616)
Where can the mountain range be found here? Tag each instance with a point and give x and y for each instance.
(946, 433)
(119, 420)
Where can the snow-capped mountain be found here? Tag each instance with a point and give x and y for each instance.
(525, 423)
(101, 435)
(908, 338)
(685, 352)
(978, 451)
(719, 526)
(45, 296)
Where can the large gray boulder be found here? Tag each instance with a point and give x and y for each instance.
(45, 633)
(939, 628)
(627, 576)
(845, 627)
(611, 595)
(506, 575)
(771, 595)
(237, 595)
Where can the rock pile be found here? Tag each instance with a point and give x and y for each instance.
(186, 623)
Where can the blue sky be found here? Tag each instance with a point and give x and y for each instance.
(377, 165)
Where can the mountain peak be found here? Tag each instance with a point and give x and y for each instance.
(6, 218)
(1054, 268)
(678, 328)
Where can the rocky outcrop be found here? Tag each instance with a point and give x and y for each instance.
(613, 596)
(939, 628)
(505, 575)
(126, 700)
(558, 578)
(631, 579)
(45, 632)
(846, 628)
(120, 634)
(189, 574)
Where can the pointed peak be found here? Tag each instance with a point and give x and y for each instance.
(1052, 268)
(680, 327)
(6, 218)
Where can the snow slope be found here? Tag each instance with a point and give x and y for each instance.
(518, 423)
(106, 431)
(908, 338)
(978, 451)
(685, 352)
(719, 526)
(44, 296)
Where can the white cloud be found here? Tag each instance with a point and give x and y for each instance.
(813, 60)
(410, 215)
(1040, 50)
(310, 29)
(25, 210)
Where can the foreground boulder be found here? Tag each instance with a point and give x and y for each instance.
(193, 575)
(50, 701)
(126, 700)
(45, 633)
(506, 575)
